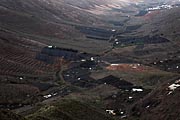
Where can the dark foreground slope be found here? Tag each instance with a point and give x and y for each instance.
(69, 110)
(7, 115)
(63, 110)
(162, 103)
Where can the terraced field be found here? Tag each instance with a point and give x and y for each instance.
(14, 63)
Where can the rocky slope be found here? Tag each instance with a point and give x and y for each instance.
(162, 103)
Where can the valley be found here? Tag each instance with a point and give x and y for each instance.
(69, 60)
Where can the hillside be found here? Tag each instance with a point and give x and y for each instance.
(162, 103)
